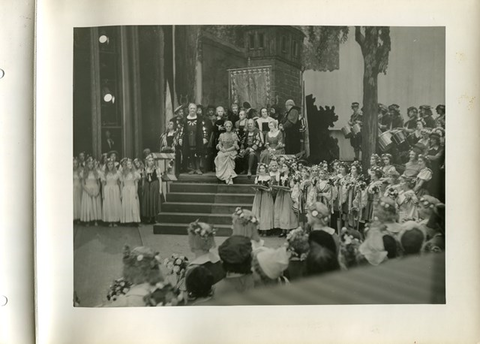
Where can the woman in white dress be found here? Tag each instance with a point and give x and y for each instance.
(130, 203)
(77, 190)
(227, 151)
(91, 208)
(112, 207)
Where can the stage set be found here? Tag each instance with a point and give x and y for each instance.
(213, 162)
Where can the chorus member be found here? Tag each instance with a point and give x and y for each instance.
(427, 115)
(130, 202)
(179, 121)
(356, 118)
(386, 216)
(241, 124)
(112, 206)
(423, 177)
(81, 159)
(341, 202)
(91, 207)
(384, 118)
(387, 164)
(407, 200)
(274, 143)
(291, 126)
(393, 180)
(244, 223)
(397, 119)
(440, 120)
(193, 138)
(375, 162)
(250, 146)
(263, 205)
(436, 155)
(227, 151)
(140, 168)
(412, 167)
(411, 124)
(324, 189)
(77, 190)
(263, 121)
(354, 192)
(234, 113)
(168, 139)
(150, 204)
(201, 239)
(284, 216)
(373, 193)
(416, 134)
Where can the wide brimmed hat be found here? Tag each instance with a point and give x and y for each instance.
(178, 108)
(273, 261)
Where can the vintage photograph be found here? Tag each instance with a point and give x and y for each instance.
(258, 165)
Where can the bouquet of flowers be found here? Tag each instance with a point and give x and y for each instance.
(244, 217)
(164, 294)
(176, 264)
(297, 244)
(350, 242)
(362, 185)
(119, 287)
(392, 193)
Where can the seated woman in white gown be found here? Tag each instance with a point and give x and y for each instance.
(227, 151)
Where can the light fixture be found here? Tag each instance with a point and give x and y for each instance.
(103, 39)
(107, 96)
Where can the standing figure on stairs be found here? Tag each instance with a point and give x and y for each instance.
(227, 150)
(193, 137)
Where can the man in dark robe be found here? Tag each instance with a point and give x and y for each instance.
(291, 126)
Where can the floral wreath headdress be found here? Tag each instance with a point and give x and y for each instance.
(204, 232)
(239, 213)
(264, 165)
(392, 192)
(358, 165)
(297, 244)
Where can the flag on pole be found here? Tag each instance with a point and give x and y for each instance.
(168, 105)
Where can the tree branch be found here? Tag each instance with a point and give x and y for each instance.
(359, 37)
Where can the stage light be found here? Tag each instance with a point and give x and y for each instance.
(103, 39)
(108, 97)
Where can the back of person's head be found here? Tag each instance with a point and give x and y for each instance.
(323, 239)
(412, 241)
(321, 260)
(437, 219)
(199, 282)
(236, 254)
(390, 245)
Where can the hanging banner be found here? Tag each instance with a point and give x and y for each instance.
(251, 85)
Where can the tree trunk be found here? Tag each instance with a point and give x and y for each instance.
(370, 119)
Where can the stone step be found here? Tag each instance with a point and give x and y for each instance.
(211, 188)
(209, 198)
(209, 208)
(211, 178)
(181, 229)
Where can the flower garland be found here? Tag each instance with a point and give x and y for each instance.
(164, 294)
(297, 244)
(392, 193)
(239, 213)
(203, 232)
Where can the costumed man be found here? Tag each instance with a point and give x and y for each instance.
(356, 139)
(193, 137)
(107, 143)
(250, 147)
(384, 118)
(440, 121)
(397, 119)
(291, 126)
(248, 109)
(233, 115)
(426, 114)
(178, 121)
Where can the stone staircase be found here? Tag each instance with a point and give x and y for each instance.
(203, 197)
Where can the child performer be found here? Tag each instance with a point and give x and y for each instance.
(151, 191)
(324, 189)
(284, 216)
(112, 206)
(130, 203)
(91, 208)
(77, 190)
(263, 205)
(244, 223)
(168, 140)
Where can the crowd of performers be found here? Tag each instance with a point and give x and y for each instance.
(334, 216)
(126, 192)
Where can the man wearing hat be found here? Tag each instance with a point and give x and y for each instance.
(291, 126)
(356, 140)
(426, 114)
(384, 118)
(397, 119)
(440, 121)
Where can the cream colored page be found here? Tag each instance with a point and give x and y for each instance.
(59, 322)
(16, 176)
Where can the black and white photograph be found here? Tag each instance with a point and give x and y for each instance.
(258, 165)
